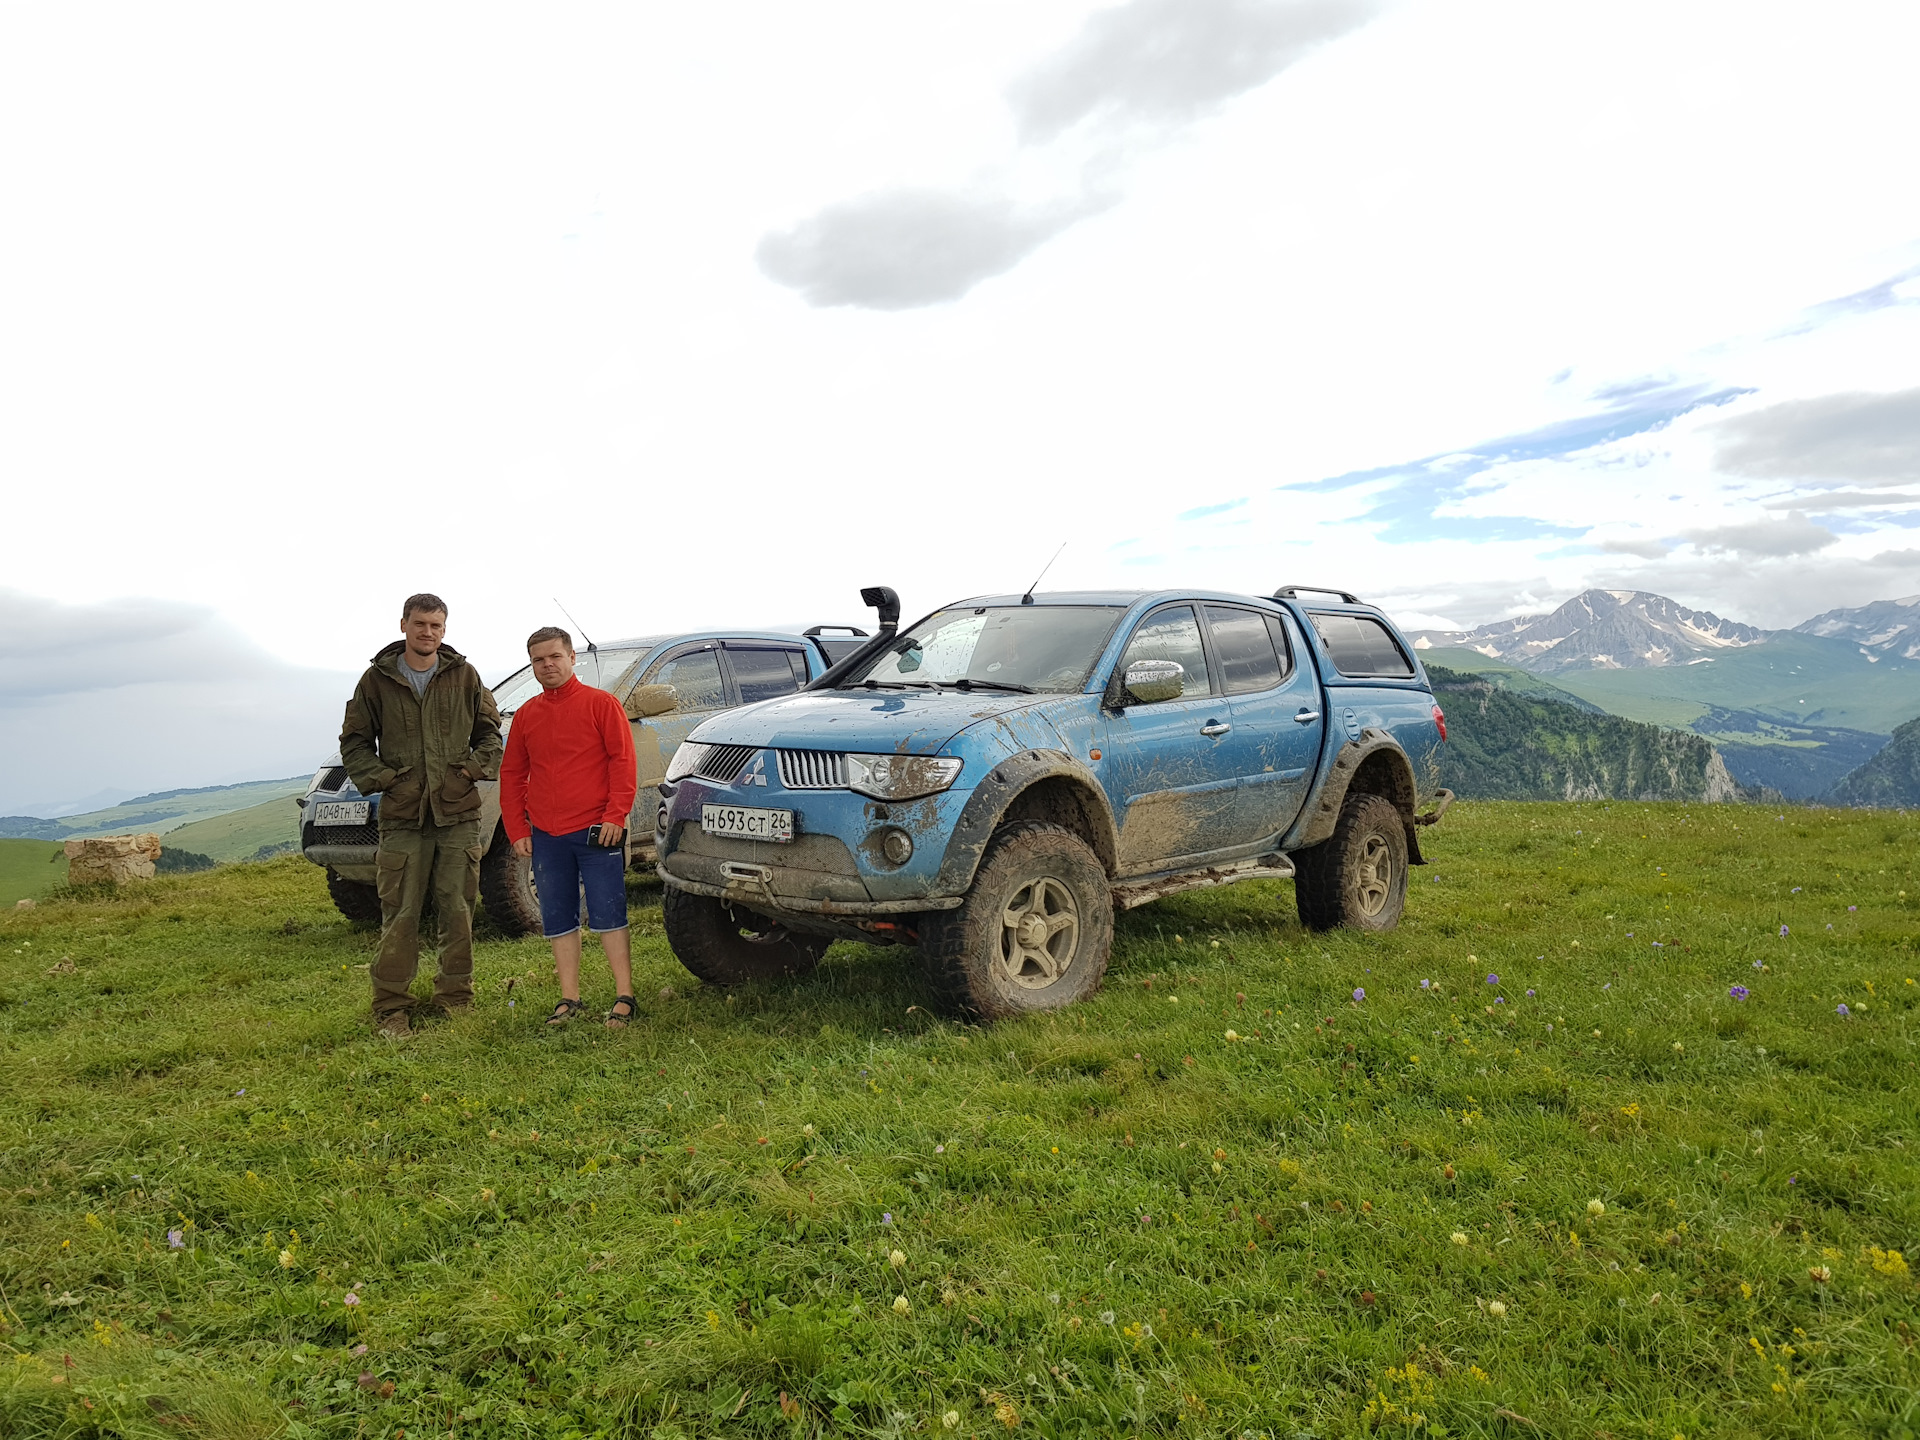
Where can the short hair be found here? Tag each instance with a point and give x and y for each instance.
(546, 633)
(425, 602)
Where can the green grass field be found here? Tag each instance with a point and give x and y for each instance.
(240, 834)
(1598, 1196)
(30, 868)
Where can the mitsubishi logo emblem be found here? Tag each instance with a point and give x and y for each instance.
(756, 773)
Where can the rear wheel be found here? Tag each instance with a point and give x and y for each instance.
(1356, 879)
(506, 885)
(1034, 932)
(355, 899)
(724, 945)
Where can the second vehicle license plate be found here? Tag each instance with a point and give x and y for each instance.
(341, 812)
(743, 822)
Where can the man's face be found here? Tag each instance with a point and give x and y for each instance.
(424, 629)
(552, 662)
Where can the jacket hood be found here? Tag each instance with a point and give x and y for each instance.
(906, 722)
(389, 658)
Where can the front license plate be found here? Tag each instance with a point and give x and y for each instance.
(341, 812)
(743, 822)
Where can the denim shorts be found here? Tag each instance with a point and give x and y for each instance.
(563, 865)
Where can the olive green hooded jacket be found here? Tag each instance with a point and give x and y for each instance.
(422, 754)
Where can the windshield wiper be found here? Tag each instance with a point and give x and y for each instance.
(895, 685)
(967, 682)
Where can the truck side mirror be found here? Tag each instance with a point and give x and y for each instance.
(1151, 681)
(648, 700)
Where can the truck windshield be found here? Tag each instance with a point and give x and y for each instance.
(1050, 649)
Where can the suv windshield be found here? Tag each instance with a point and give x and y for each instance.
(598, 668)
(1045, 648)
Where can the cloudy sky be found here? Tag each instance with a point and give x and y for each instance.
(702, 315)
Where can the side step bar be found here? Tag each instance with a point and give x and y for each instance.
(1130, 893)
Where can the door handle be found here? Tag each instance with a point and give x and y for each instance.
(1215, 727)
(1306, 717)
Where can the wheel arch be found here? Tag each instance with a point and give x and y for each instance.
(1043, 785)
(1374, 764)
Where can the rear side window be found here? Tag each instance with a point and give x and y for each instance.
(766, 674)
(1361, 646)
(1249, 662)
(695, 676)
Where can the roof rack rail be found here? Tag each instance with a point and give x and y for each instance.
(1290, 592)
(822, 629)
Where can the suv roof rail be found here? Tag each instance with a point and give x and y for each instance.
(822, 629)
(1290, 592)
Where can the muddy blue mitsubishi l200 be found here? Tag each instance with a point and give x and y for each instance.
(992, 782)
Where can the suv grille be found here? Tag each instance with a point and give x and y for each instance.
(813, 770)
(339, 835)
(724, 762)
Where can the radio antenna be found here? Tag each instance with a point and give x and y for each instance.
(578, 626)
(1027, 599)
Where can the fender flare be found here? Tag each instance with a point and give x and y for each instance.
(996, 794)
(1396, 783)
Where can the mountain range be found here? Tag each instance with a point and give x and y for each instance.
(1790, 710)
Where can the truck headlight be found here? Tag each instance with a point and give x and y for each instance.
(900, 777)
(686, 760)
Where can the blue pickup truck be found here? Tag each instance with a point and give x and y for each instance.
(668, 683)
(992, 782)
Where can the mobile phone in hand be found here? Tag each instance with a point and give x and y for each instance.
(618, 842)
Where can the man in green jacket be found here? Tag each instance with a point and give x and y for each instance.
(420, 731)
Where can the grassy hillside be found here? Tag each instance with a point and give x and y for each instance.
(1891, 778)
(157, 813)
(242, 834)
(30, 868)
(1507, 746)
(1599, 1194)
(1802, 679)
(1507, 677)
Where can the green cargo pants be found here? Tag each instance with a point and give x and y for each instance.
(443, 860)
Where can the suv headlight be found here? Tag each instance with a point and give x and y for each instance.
(686, 760)
(900, 777)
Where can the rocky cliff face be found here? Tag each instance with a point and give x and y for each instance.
(1890, 780)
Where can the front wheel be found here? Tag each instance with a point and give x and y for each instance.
(506, 885)
(355, 899)
(723, 945)
(1357, 878)
(1034, 932)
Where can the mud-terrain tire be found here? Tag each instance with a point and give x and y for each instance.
(1356, 879)
(722, 945)
(1034, 932)
(506, 885)
(354, 899)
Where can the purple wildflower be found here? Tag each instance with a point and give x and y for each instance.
(1529, 994)
(1793, 1179)
(1783, 931)
(1842, 1011)
(1853, 907)
(176, 1240)
(1359, 994)
(350, 1298)
(1759, 964)
(887, 1218)
(1739, 992)
(241, 1091)
(1493, 979)
(1794, 891)
(1426, 984)
(1499, 999)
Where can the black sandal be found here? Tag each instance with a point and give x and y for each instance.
(617, 1021)
(564, 1013)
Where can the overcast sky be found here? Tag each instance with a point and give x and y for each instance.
(702, 315)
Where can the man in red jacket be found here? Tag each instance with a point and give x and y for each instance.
(566, 786)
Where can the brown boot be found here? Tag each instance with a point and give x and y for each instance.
(395, 1025)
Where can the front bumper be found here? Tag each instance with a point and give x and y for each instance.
(834, 865)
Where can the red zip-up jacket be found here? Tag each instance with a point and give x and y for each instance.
(569, 763)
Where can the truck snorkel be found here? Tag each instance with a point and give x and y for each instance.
(886, 603)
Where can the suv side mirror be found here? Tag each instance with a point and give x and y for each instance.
(1151, 681)
(647, 700)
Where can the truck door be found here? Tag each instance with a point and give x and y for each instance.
(1274, 745)
(1161, 762)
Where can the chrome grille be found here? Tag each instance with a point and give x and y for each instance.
(723, 762)
(813, 770)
